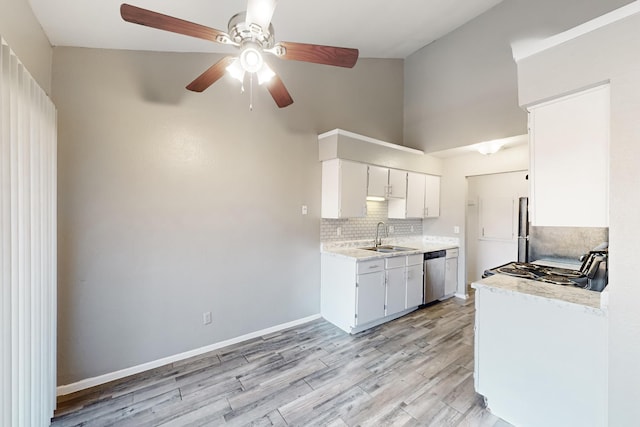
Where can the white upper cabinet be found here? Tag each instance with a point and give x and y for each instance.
(569, 171)
(412, 206)
(422, 200)
(397, 184)
(378, 181)
(432, 196)
(344, 189)
(415, 195)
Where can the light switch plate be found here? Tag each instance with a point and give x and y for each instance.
(206, 318)
(305, 210)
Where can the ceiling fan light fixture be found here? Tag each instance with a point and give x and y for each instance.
(251, 58)
(236, 71)
(265, 74)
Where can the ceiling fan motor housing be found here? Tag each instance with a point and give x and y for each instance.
(241, 32)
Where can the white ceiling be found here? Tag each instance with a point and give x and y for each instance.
(379, 28)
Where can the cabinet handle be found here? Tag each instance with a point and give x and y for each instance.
(373, 266)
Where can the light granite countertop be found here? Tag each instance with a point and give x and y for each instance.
(352, 249)
(569, 296)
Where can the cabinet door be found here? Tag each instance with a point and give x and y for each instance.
(432, 196)
(569, 160)
(415, 195)
(396, 290)
(450, 276)
(378, 181)
(353, 190)
(397, 184)
(414, 286)
(344, 189)
(370, 297)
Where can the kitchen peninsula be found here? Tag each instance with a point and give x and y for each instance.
(541, 352)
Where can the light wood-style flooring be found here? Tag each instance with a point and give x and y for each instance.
(414, 371)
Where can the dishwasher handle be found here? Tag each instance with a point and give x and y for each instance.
(435, 254)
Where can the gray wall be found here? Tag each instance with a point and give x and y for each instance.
(21, 30)
(611, 54)
(173, 203)
(462, 89)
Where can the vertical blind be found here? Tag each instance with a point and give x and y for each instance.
(27, 247)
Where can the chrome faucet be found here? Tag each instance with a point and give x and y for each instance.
(378, 240)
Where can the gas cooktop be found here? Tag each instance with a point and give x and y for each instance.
(540, 273)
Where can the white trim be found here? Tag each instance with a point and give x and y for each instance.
(522, 51)
(462, 296)
(369, 140)
(102, 379)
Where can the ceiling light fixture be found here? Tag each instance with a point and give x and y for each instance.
(265, 74)
(236, 71)
(251, 58)
(489, 147)
(250, 61)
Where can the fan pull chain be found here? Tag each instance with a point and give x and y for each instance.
(251, 92)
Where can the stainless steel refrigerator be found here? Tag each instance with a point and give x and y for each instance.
(523, 230)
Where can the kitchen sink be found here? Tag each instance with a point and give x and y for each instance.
(388, 249)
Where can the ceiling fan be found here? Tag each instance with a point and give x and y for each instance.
(252, 33)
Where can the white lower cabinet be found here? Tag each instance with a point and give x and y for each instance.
(451, 272)
(359, 295)
(396, 284)
(415, 285)
(370, 292)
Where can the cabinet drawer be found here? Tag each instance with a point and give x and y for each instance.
(415, 259)
(395, 262)
(452, 253)
(370, 266)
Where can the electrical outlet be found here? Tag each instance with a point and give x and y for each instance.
(206, 318)
(391, 229)
(339, 231)
(412, 229)
(456, 230)
(305, 210)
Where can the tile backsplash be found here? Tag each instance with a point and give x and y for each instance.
(365, 228)
(564, 242)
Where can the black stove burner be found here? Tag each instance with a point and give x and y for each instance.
(556, 280)
(527, 267)
(564, 272)
(516, 272)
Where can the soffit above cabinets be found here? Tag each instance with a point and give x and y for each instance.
(341, 144)
(526, 48)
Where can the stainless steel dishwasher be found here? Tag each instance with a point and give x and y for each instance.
(434, 266)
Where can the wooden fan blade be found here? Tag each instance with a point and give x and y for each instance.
(279, 92)
(157, 20)
(260, 12)
(319, 54)
(212, 75)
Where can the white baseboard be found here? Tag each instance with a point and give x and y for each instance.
(102, 379)
(462, 296)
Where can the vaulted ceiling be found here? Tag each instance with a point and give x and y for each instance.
(378, 28)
